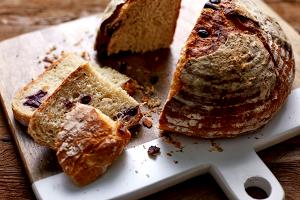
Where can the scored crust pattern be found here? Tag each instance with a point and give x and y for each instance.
(234, 80)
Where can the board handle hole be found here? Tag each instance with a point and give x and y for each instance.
(258, 187)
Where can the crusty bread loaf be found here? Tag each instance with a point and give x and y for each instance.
(235, 72)
(86, 86)
(137, 26)
(88, 143)
(29, 98)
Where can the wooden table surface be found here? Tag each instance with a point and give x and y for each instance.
(21, 16)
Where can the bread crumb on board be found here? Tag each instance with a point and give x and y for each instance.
(215, 147)
(153, 151)
(147, 122)
(85, 55)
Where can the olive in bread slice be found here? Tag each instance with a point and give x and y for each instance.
(30, 97)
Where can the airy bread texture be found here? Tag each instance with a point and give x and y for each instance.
(112, 76)
(88, 143)
(235, 72)
(84, 85)
(118, 79)
(47, 82)
(137, 26)
(29, 98)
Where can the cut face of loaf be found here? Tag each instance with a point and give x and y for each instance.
(84, 86)
(235, 72)
(29, 98)
(88, 143)
(137, 26)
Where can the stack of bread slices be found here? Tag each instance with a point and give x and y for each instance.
(48, 105)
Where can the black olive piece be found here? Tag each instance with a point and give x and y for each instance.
(86, 99)
(154, 79)
(215, 1)
(35, 99)
(211, 6)
(32, 103)
(203, 33)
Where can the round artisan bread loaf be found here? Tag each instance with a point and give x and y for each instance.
(235, 72)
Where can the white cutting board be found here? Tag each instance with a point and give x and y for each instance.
(237, 166)
(135, 175)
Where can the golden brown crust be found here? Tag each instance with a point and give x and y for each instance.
(232, 81)
(88, 143)
(108, 26)
(21, 117)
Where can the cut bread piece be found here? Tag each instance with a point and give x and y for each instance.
(137, 26)
(88, 143)
(86, 86)
(29, 98)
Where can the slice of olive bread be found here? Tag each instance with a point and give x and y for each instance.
(85, 86)
(29, 98)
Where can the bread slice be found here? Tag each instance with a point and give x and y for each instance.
(137, 26)
(88, 143)
(29, 98)
(234, 73)
(86, 86)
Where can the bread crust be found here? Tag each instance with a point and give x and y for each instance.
(88, 143)
(106, 29)
(233, 81)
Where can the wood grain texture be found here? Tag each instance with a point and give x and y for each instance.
(23, 16)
